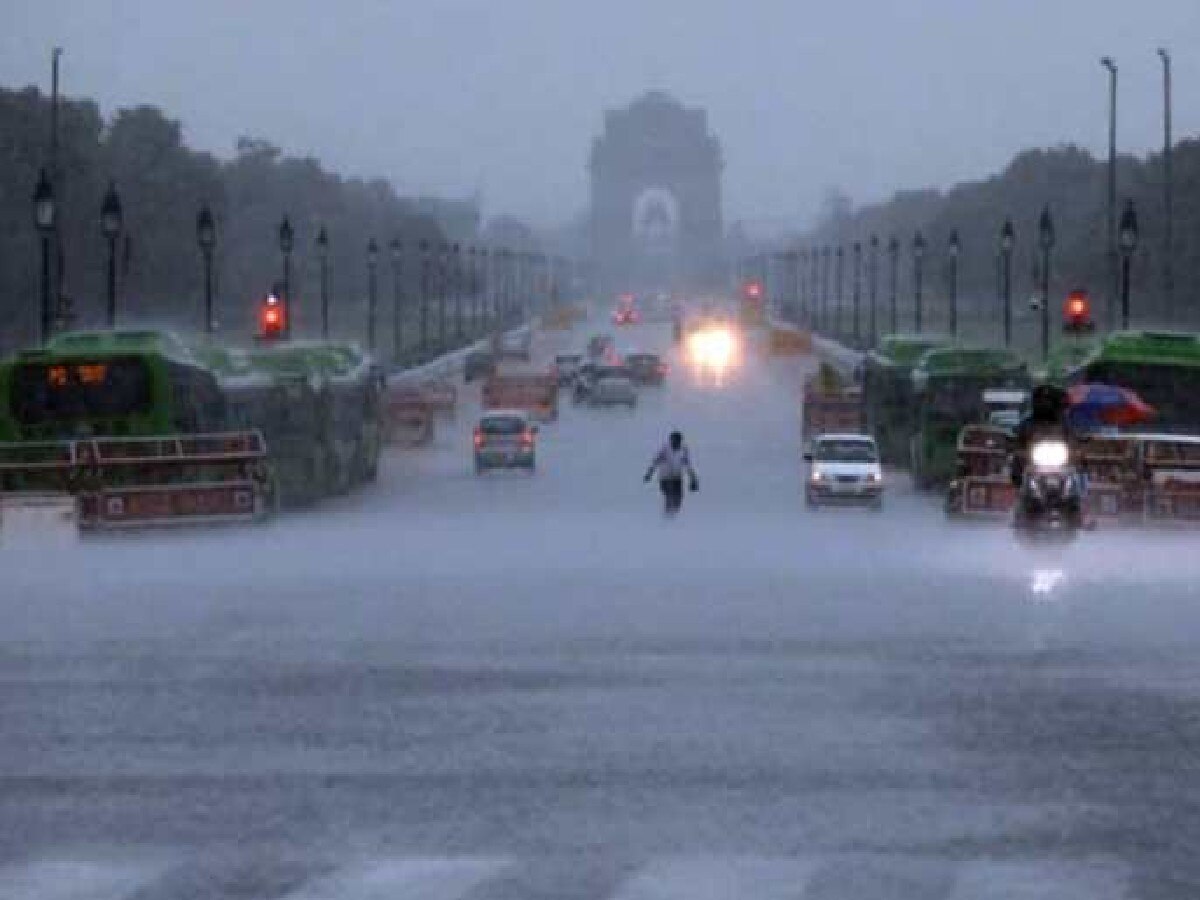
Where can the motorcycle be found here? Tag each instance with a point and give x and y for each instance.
(1050, 496)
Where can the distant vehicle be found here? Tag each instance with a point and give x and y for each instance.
(626, 312)
(844, 469)
(646, 368)
(533, 392)
(566, 367)
(505, 439)
(515, 345)
(600, 347)
(612, 390)
(479, 364)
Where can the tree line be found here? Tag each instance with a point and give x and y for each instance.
(1071, 185)
(162, 184)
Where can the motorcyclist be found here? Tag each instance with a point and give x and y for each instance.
(671, 462)
(1046, 420)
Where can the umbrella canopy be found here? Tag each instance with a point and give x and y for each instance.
(1106, 404)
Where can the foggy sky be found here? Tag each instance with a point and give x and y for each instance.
(444, 96)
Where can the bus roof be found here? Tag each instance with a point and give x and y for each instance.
(950, 361)
(112, 343)
(906, 349)
(1176, 348)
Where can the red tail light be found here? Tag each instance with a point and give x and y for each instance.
(478, 438)
(527, 438)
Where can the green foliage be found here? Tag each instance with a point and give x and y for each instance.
(1072, 184)
(162, 184)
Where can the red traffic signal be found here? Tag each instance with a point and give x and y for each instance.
(752, 290)
(272, 317)
(1077, 312)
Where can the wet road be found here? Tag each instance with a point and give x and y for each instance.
(454, 688)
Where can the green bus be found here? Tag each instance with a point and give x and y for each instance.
(142, 409)
(948, 386)
(1162, 367)
(888, 392)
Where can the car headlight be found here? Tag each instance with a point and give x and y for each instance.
(816, 477)
(874, 477)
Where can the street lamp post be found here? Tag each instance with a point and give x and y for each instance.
(372, 292)
(857, 300)
(918, 275)
(1110, 232)
(323, 257)
(1046, 242)
(1168, 213)
(953, 248)
(206, 237)
(1128, 243)
(872, 290)
(397, 250)
(485, 295)
(44, 218)
(110, 224)
(894, 284)
(423, 326)
(826, 304)
(1007, 239)
(286, 237)
(455, 282)
(839, 296)
(443, 259)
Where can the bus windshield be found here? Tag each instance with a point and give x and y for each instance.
(42, 393)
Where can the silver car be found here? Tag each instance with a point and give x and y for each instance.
(612, 390)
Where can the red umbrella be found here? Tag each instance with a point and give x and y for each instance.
(1106, 404)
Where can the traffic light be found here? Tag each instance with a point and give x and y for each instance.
(272, 318)
(1077, 313)
(752, 290)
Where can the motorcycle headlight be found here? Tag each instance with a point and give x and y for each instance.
(1049, 454)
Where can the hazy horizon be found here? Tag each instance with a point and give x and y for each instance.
(463, 96)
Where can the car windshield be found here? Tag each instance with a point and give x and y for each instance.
(846, 451)
(503, 425)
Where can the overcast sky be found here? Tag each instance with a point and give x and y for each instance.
(448, 95)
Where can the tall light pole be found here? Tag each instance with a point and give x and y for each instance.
(443, 259)
(456, 284)
(110, 223)
(423, 326)
(953, 248)
(372, 292)
(44, 216)
(873, 291)
(1168, 213)
(1046, 242)
(827, 256)
(206, 237)
(286, 237)
(1007, 239)
(1128, 243)
(856, 299)
(839, 293)
(918, 275)
(894, 284)
(1110, 229)
(486, 285)
(397, 250)
(323, 256)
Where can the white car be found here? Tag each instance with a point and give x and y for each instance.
(612, 390)
(843, 469)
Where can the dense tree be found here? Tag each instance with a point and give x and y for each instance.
(162, 184)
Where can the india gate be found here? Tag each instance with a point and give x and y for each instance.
(656, 198)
